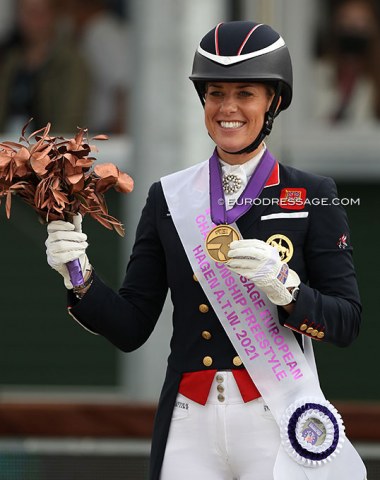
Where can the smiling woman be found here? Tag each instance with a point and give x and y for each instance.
(234, 356)
(254, 58)
(234, 116)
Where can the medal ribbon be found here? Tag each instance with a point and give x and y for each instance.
(219, 214)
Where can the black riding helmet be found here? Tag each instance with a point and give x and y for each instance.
(245, 51)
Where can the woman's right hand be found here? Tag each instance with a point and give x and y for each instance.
(65, 243)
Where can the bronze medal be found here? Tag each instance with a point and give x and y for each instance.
(218, 242)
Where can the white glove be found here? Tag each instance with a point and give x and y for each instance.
(65, 243)
(260, 263)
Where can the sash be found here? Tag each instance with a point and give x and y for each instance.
(313, 443)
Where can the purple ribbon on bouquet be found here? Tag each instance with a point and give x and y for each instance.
(75, 272)
(219, 214)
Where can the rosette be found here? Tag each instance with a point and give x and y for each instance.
(312, 432)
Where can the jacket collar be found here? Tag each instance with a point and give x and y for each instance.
(274, 177)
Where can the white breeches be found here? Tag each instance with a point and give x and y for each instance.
(226, 439)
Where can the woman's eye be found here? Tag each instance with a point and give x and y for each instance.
(215, 93)
(245, 93)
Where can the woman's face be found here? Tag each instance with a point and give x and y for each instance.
(234, 116)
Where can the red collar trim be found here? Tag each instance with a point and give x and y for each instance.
(274, 178)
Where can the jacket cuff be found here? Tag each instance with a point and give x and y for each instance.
(301, 320)
(75, 306)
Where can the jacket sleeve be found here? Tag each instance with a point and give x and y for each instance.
(128, 318)
(328, 307)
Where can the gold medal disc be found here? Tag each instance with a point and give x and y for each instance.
(283, 245)
(218, 242)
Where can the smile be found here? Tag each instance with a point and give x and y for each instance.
(231, 124)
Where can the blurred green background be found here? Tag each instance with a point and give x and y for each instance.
(40, 344)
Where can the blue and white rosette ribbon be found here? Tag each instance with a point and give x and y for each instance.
(312, 432)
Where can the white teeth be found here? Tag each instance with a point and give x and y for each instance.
(231, 124)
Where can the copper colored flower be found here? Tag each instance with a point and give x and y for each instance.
(57, 177)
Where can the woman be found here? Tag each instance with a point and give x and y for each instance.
(212, 422)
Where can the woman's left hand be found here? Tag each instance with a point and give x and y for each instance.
(260, 263)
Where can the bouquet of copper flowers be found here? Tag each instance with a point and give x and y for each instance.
(57, 177)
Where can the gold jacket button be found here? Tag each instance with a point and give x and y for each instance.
(195, 278)
(206, 335)
(303, 327)
(321, 335)
(309, 330)
(314, 333)
(237, 361)
(203, 308)
(207, 361)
